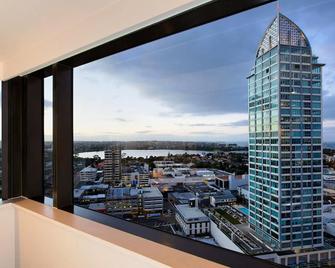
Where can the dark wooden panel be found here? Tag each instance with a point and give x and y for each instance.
(62, 135)
(12, 119)
(33, 138)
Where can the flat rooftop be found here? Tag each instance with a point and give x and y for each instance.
(78, 193)
(226, 194)
(95, 186)
(125, 192)
(199, 187)
(244, 186)
(96, 196)
(89, 169)
(191, 214)
(97, 206)
(151, 192)
(219, 172)
(183, 195)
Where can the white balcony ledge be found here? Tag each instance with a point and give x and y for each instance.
(36, 235)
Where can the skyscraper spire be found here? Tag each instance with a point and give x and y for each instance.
(278, 8)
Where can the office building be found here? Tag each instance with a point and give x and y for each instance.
(285, 139)
(192, 220)
(221, 198)
(88, 174)
(112, 166)
(152, 200)
(134, 202)
(123, 201)
(135, 175)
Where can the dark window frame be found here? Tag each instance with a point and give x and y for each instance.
(17, 183)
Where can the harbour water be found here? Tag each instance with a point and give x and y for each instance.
(142, 153)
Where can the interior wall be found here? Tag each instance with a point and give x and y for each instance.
(46, 243)
(44, 32)
(7, 236)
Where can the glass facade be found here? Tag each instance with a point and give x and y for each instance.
(285, 139)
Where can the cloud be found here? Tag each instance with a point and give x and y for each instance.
(241, 123)
(202, 133)
(143, 131)
(210, 80)
(329, 107)
(119, 119)
(202, 72)
(110, 133)
(329, 124)
(197, 125)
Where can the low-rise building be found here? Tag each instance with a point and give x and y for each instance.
(329, 181)
(123, 201)
(231, 181)
(95, 188)
(88, 174)
(192, 220)
(315, 257)
(243, 191)
(203, 191)
(328, 215)
(89, 193)
(204, 173)
(131, 201)
(94, 198)
(222, 198)
(152, 201)
(170, 168)
(100, 207)
(135, 179)
(180, 198)
(77, 195)
(167, 163)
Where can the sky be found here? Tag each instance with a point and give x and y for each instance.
(192, 86)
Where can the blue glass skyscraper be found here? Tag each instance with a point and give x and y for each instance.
(285, 139)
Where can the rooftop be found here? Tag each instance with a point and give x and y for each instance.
(151, 192)
(89, 169)
(200, 188)
(226, 194)
(219, 172)
(125, 192)
(96, 196)
(97, 206)
(183, 195)
(244, 186)
(191, 214)
(95, 187)
(78, 193)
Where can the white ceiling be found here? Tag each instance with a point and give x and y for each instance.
(36, 33)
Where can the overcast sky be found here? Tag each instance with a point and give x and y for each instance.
(192, 86)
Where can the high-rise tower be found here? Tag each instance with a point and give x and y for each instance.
(285, 139)
(112, 166)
